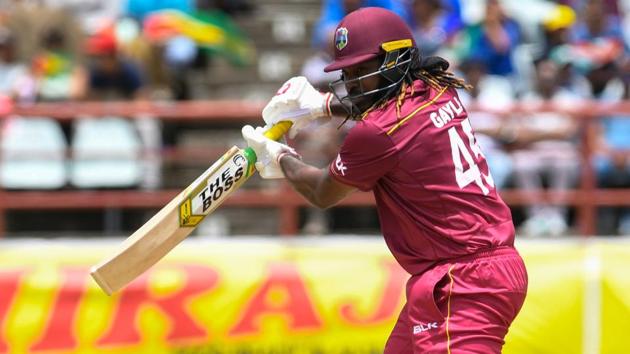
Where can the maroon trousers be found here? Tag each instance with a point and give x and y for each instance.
(462, 306)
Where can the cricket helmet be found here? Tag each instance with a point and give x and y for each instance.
(370, 33)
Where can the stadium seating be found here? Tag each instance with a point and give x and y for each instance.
(33, 154)
(106, 153)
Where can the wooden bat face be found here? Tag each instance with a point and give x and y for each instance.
(175, 221)
(178, 218)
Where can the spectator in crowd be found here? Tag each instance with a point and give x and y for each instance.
(32, 22)
(435, 23)
(489, 92)
(598, 23)
(598, 64)
(16, 82)
(556, 28)
(134, 47)
(115, 76)
(111, 75)
(546, 145)
(493, 40)
(334, 10)
(604, 83)
(613, 169)
(58, 72)
(556, 31)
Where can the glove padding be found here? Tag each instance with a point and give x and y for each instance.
(299, 102)
(267, 152)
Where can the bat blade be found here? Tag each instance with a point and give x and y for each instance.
(174, 222)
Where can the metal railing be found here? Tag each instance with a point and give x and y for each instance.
(586, 197)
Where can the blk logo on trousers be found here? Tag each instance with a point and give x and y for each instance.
(424, 327)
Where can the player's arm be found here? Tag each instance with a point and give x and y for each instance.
(315, 184)
(276, 160)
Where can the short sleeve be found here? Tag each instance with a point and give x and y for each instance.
(366, 155)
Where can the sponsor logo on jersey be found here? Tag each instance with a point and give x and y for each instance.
(340, 166)
(446, 112)
(424, 327)
(341, 38)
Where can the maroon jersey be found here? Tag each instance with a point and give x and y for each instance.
(434, 194)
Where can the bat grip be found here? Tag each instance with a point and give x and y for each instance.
(277, 131)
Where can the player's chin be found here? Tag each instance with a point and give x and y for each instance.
(362, 103)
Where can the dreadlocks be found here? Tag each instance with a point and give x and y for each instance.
(432, 70)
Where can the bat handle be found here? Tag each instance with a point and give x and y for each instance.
(277, 131)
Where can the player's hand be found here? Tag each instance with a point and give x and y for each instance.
(268, 152)
(299, 102)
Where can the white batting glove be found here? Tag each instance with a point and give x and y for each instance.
(299, 102)
(268, 152)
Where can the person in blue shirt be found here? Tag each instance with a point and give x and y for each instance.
(435, 23)
(596, 23)
(612, 161)
(111, 75)
(492, 41)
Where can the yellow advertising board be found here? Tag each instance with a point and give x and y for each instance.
(284, 296)
(205, 297)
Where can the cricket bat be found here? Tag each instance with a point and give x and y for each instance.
(175, 221)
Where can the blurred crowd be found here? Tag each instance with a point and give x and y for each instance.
(53, 50)
(531, 52)
(563, 51)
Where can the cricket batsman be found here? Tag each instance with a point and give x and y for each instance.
(414, 148)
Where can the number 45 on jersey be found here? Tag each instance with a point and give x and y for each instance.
(459, 150)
